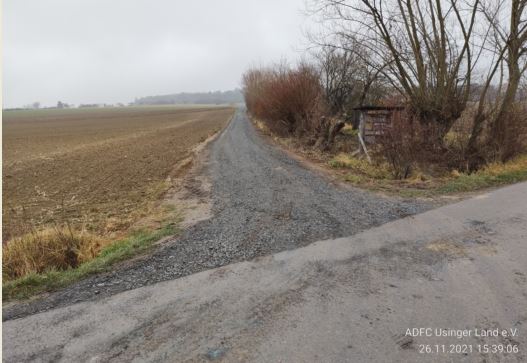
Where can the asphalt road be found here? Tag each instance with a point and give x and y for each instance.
(263, 202)
(461, 268)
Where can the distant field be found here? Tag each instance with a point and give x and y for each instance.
(97, 168)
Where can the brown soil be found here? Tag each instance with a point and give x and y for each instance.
(98, 169)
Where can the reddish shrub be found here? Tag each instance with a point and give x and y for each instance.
(288, 100)
(406, 142)
(397, 144)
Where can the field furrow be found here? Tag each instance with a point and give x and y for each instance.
(96, 169)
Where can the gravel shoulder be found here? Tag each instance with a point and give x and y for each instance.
(263, 202)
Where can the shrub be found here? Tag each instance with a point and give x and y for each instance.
(508, 138)
(57, 248)
(288, 100)
(457, 154)
(399, 144)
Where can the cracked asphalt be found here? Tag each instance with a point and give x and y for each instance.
(263, 202)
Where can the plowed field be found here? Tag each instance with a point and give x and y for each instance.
(95, 168)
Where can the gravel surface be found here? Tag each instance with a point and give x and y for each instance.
(262, 202)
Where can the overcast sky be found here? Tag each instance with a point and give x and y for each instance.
(97, 51)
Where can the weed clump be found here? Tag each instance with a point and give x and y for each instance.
(58, 248)
(360, 166)
(53, 278)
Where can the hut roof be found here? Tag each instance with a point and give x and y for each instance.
(378, 108)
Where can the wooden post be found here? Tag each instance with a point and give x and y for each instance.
(361, 138)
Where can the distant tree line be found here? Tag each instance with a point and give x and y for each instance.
(217, 97)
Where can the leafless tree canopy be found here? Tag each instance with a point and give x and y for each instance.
(434, 52)
(349, 79)
(424, 47)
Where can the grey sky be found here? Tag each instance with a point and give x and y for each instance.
(112, 51)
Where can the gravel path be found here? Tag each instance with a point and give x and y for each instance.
(262, 202)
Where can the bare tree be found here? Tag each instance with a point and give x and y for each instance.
(507, 25)
(514, 40)
(337, 68)
(424, 48)
(346, 66)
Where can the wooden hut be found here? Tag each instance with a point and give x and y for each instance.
(371, 122)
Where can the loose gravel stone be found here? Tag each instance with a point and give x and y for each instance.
(263, 202)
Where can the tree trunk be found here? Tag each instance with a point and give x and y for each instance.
(328, 130)
(499, 124)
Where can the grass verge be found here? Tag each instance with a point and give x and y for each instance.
(377, 177)
(493, 175)
(138, 242)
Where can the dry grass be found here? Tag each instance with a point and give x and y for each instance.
(64, 248)
(360, 166)
(51, 279)
(57, 248)
(515, 166)
(378, 177)
(494, 174)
